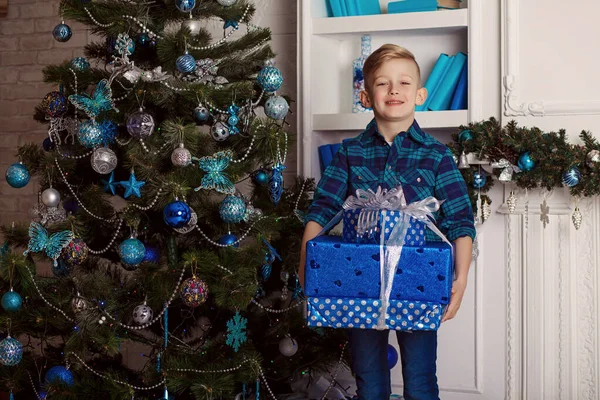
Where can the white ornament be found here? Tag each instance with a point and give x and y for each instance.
(181, 157)
(544, 213)
(486, 210)
(193, 25)
(219, 131)
(50, 197)
(288, 346)
(511, 202)
(104, 160)
(577, 218)
(142, 314)
(226, 3)
(276, 107)
(78, 304)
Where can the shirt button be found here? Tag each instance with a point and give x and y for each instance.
(360, 177)
(389, 168)
(418, 179)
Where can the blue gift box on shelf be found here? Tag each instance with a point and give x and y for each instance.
(415, 236)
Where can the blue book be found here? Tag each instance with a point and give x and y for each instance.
(334, 148)
(368, 7)
(443, 95)
(434, 79)
(336, 7)
(351, 7)
(459, 100)
(325, 156)
(411, 6)
(344, 9)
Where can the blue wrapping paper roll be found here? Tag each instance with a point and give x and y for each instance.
(414, 237)
(335, 312)
(335, 268)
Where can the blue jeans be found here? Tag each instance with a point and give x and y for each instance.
(418, 353)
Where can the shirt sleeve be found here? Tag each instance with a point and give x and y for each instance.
(456, 212)
(331, 191)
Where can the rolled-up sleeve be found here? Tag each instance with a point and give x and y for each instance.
(456, 211)
(331, 191)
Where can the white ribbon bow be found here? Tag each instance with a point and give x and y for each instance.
(508, 170)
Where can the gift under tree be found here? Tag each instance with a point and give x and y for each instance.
(149, 240)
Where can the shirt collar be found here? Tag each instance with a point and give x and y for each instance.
(414, 132)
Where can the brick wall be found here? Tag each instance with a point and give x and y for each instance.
(26, 46)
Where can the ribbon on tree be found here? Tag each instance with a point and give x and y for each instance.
(507, 169)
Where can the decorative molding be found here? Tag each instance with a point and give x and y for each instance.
(513, 105)
(563, 240)
(513, 331)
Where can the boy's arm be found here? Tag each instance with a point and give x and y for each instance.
(463, 248)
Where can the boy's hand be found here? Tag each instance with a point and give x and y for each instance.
(458, 291)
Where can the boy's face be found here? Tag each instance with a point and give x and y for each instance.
(395, 90)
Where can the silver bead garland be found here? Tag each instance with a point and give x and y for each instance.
(281, 311)
(233, 243)
(157, 152)
(109, 245)
(44, 299)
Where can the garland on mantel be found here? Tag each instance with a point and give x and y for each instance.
(528, 158)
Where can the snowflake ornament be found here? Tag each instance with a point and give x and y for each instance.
(236, 331)
(206, 73)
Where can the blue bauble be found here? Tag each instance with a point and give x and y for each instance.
(177, 214)
(80, 64)
(152, 255)
(185, 5)
(90, 134)
(392, 356)
(58, 375)
(186, 63)
(525, 162)
(132, 252)
(62, 32)
(48, 144)
(54, 104)
(479, 179)
(232, 209)
(228, 239)
(17, 175)
(145, 40)
(12, 301)
(465, 136)
(233, 120)
(270, 79)
(11, 352)
(261, 177)
(276, 107)
(201, 114)
(571, 177)
(62, 268)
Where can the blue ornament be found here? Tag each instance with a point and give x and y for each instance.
(62, 32)
(152, 255)
(62, 268)
(233, 120)
(132, 186)
(48, 144)
(270, 79)
(54, 104)
(177, 214)
(571, 177)
(80, 64)
(392, 356)
(90, 134)
(276, 183)
(12, 301)
(260, 176)
(231, 23)
(11, 352)
(186, 63)
(479, 179)
(185, 5)
(71, 205)
(101, 100)
(232, 209)
(525, 162)
(215, 178)
(52, 245)
(276, 107)
(110, 185)
(58, 375)
(228, 240)
(42, 395)
(465, 136)
(201, 114)
(17, 175)
(132, 251)
(236, 331)
(145, 40)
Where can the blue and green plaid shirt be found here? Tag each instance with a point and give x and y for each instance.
(422, 165)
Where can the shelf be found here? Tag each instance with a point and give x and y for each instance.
(447, 19)
(358, 121)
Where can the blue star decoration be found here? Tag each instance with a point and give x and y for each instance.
(110, 185)
(132, 186)
(236, 331)
(232, 23)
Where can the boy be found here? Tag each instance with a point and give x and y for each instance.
(391, 150)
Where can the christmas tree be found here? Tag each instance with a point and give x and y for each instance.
(163, 217)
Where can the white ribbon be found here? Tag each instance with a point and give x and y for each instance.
(507, 171)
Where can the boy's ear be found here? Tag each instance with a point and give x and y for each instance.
(421, 96)
(364, 99)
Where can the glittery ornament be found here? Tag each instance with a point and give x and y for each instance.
(270, 79)
(76, 252)
(201, 114)
(90, 134)
(185, 63)
(276, 107)
(152, 254)
(79, 304)
(228, 240)
(80, 64)
(219, 131)
(232, 209)
(140, 124)
(54, 104)
(571, 177)
(12, 301)
(50, 197)
(142, 314)
(577, 218)
(276, 183)
(181, 157)
(62, 32)
(193, 292)
(17, 175)
(132, 252)
(11, 352)
(185, 5)
(288, 346)
(511, 202)
(177, 214)
(226, 3)
(525, 162)
(479, 179)
(60, 375)
(592, 158)
(486, 210)
(103, 160)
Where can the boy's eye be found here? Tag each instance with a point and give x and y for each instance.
(381, 83)
(406, 83)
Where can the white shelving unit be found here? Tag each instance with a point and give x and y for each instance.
(327, 47)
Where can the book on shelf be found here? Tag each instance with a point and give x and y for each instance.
(352, 8)
(448, 4)
(368, 7)
(326, 153)
(443, 95)
(336, 7)
(406, 6)
(460, 99)
(436, 75)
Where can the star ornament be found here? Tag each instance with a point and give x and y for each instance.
(132, 186)
(110, 185)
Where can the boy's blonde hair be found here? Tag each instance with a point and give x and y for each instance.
(385, 53)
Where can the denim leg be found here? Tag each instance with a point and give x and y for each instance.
(418, 351)
(368, 352)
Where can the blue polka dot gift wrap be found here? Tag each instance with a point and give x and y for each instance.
(391, 282)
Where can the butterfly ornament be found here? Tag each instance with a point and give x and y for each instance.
(101, 100)
(52, 245)
(215, 177)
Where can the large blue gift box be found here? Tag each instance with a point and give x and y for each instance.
(415, 236)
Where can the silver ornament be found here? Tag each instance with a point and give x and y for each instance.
(511, 202)
(226, 3)
(193, 25)
(190, 225)
(181, 157)
(78, 304)
(142, 314)
(276, 107)
(486, 210)
(288, 346)
(104, 160)
(50, 197)
(577, 218)
(140, 124)
(592, 158)
(219, 131)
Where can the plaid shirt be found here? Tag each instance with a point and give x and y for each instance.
(422, 165)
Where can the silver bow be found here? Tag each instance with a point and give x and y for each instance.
(508, 169)
(136, 73)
